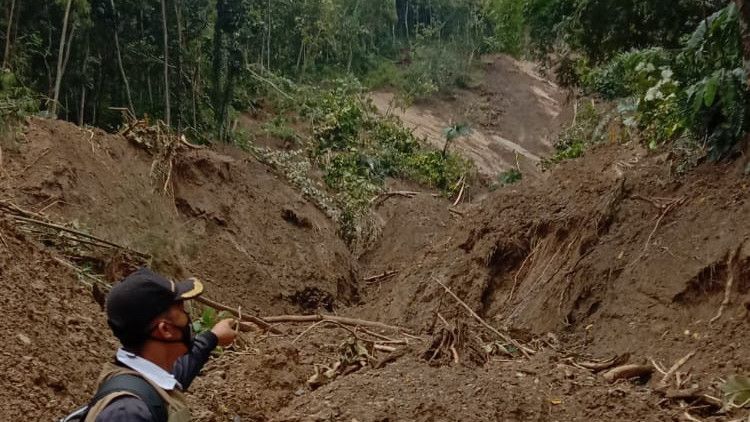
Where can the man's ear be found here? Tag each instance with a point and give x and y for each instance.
(164, 330)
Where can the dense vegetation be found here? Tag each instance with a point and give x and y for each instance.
(675, 68)
(193, 63)
(675, 71)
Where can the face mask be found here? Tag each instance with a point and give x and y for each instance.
(187, 335)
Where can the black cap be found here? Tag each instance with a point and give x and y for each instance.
(139, 298)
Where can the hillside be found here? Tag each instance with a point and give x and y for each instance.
(606, 255)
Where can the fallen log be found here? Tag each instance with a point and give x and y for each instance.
(250, 318)
(628, 372)
(333, 318)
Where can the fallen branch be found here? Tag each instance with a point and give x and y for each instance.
(79, 233)
(666, 210)
(628, 372)
(270, 83)
(728, 288)
(457, 212)
(379, 199)
(461, 192)
(341, 320)
(690, 417)
(83, 273)
(374, 278)
(383, 348)
(664, 383)
(526, 351)
(605, 364)
(518, 273)
(250, 318)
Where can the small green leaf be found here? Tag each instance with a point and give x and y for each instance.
(736, 391)
(709, 94)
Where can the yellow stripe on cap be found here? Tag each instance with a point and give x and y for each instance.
(195, 291)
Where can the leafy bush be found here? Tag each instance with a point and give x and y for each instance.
(572, 141)
(622, 77)
(510, 177)
(506, 19)
(699, 93)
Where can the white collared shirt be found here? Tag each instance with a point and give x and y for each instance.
(148, 369)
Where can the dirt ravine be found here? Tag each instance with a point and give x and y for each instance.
(514, 114)
(606, 255)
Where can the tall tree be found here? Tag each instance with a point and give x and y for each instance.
(60, 60)
(167, 111)
(115, 29)
(8, 33)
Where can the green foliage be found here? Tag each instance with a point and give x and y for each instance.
(506, 20)
(279, 127)
(547, 21)
(697, 92)
(207, 319)
(736, 392)
(435, 66)
(573, 141)
(509, 177)
(623, 76)
(16, 101)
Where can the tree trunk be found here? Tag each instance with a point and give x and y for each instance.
(60, 57)
(9, 31)
(119, 58)
(167, 111)
(82, 107)
(744, 10)
(268, 38)
(180, 47)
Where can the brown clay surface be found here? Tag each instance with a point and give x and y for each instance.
(511, 110)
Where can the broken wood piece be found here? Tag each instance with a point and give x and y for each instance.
(628, 372)
(250, 318)
(384, 348)
(79, 233)
(690, 417)
(664, 383)
(605, 364)
(461, 192)
(379, 199)
(385, 274)
(728, 287)
(341, 320)
(457, 212)
(526, 351)
(391, 358)
(683, 394)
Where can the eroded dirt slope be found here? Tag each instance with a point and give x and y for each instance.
(226, 218)
(514, 114)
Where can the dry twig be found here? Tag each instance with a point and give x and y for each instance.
(236, 312)
(341, 320)
(728, 287)
(526, 351)
(664, 383)
(385, 274)
(628, 372)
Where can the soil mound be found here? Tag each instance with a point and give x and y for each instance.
(224, 217)
(51, 321)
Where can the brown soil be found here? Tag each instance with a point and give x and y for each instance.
(511, 110)
(607, 254)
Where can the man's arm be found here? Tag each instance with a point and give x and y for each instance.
(190, 364)
(125, 409)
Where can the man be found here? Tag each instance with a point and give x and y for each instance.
(146, 313)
